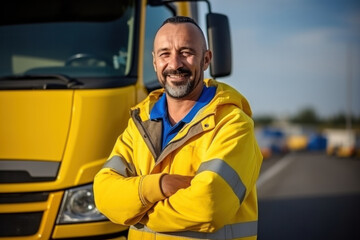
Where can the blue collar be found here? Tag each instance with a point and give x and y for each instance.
(159, 111)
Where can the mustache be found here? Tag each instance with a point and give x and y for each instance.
(178, 71)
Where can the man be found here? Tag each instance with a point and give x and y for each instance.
(187, 164)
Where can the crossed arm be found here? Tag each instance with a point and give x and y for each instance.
(200, 206)
(171, 183)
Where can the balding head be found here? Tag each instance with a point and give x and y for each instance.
(186, 20)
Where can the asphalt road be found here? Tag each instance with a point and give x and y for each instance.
(309, 196)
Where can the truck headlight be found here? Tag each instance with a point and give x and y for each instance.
(78, 205)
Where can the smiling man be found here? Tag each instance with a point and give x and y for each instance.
(187, 164)
(180, 58)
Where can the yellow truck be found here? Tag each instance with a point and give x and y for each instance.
(69, 72)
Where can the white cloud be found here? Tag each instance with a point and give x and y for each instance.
(314, 36)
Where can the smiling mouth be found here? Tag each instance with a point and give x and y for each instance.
(180, 74)
(177, 76)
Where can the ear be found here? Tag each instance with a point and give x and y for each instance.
(154, 62)
(207, 59)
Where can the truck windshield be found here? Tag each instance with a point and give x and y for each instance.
(78, 39)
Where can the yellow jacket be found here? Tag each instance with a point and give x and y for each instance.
(218, 147)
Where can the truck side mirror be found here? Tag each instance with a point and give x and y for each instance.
(218, 32)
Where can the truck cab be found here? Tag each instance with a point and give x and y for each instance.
(69, 73)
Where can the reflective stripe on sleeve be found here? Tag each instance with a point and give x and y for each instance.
(120, 166)
(227, 173)
(231, 231)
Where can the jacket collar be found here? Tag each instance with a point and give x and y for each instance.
(204, 120)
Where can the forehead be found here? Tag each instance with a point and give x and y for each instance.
(179, 34)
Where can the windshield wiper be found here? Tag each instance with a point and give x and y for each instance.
(51, 81)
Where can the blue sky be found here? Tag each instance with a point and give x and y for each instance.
(293, 54)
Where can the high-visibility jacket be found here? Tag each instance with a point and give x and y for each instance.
(218, 147)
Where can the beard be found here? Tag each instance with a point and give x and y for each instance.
(179, 89)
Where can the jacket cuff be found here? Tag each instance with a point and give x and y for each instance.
(150, 189)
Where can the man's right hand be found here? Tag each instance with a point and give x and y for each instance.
(171, 183)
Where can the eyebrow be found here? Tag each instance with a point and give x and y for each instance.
(187, 48)
(162, 50)
(182, 48)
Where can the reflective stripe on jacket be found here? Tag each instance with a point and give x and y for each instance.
(218, 148)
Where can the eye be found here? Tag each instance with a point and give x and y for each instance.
(164, 54)
(186, 53)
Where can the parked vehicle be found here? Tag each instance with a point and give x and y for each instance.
(69, 73)
(272, 141)
(341, 142)
(317, 142)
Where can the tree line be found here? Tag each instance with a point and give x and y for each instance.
(308, 116)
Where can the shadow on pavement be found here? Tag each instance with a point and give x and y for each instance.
(324, 217)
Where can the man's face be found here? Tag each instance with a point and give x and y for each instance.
(180, 58)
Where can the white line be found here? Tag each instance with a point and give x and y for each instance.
(275, 169)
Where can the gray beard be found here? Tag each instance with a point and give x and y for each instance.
(181, 90)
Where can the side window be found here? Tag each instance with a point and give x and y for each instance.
(154, 18)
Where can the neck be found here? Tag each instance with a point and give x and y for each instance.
(179, 108)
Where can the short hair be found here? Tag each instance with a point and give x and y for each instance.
(183, 19)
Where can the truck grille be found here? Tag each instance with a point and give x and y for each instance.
(19, 224)
(24, 223)
(23, 197)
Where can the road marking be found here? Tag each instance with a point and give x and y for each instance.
(274, 170)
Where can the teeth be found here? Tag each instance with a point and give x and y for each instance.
(177, 75)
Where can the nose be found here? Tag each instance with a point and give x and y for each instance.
(175, 61)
